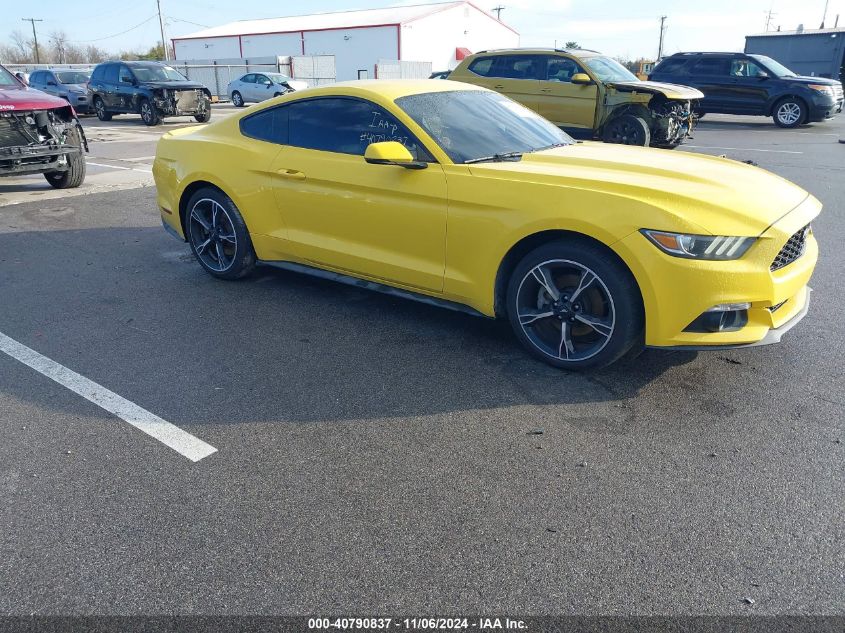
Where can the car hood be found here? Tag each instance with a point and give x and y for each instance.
(297, 85)
(28, 99)
(173, 85)
(670, 91)
(801, 79)
(722, 196)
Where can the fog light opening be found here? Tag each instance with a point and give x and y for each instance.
(724, 317)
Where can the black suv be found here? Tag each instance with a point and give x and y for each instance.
(736, 83)
(151, 89)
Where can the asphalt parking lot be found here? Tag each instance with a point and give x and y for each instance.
(376, 456)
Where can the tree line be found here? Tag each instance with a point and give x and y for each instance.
(56, 48)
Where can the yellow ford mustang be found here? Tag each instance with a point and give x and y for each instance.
(458, 196)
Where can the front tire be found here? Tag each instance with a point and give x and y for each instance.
(74, 176)
(218, 235)
(237, 99)
(789, 113)
(148, 112)
(205, 115)
(627, 130)
(574, 305)
(100, 108)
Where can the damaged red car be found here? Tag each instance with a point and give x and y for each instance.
(39, 134)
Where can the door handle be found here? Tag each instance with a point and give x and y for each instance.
(291, 173)
(545, 89)
(498, 87)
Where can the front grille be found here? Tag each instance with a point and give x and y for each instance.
(792, 250)
(11, 134)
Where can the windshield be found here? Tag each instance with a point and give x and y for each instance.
(473, 124)
(278, 78)
(776, 68)
(157, 73)
(72, 77)
(607, 69)
(7, 78)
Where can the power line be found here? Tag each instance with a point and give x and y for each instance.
(100, 39)
(34, 36)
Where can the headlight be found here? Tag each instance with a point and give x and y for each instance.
(828, 90)
(714, 247)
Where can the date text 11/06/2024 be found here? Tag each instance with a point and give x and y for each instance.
(424, 623)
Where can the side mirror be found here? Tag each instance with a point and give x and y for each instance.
(581, 78)
(392, 153)
(762, 75)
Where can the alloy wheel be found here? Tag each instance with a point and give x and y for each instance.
(789, 113)
(565, 310)
(213, 235)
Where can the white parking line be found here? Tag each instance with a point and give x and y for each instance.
(145, 171)
(180, 441)
(744, 149)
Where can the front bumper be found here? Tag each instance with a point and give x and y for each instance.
(183, 103)
(824, 108)
(677, 291)
(39, 159)
(80, 102)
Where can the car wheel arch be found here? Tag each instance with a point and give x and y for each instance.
(530, 242)
(187, 193)
(770, 109)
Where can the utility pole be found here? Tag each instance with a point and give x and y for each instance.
(824, 16)
(662, 31)
(161, 24)
(498, 11)
(34, 37)
(769, 15)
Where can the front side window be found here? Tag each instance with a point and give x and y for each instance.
(346, 126)
(745, 68)
(261, 79)
(474, 124)
(775, 68)
(562, 69)
(126, 75)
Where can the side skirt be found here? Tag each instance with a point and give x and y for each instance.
(372, 285)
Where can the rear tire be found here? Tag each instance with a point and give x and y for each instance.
(148, 112)
(237, 100)
(627, 130)
(100, 108)
(789, 113)
(205, 115)
(218, 235)
(574, 305)
(74, 176)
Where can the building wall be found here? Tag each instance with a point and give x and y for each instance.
(435, 37)
(271, 44)
(207, 48)
(818, 55)
(354, 49)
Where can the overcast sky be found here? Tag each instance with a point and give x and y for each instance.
(627, 28)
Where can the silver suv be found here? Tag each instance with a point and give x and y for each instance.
(70, 85)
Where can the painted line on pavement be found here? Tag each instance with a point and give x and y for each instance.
(744, 149)
(169, 434)
(145, 171)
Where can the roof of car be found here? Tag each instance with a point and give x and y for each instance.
(584, 52)
(391, 88)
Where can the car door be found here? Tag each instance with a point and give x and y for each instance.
(263, 87)
(109, 87)
(126, 88)
(515, 75)
(35, 80)
(749, 94)
(384, 222)
(51, 84)
(562, 102)
(246, 86)
(711, 75)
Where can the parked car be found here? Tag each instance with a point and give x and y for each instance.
(151, 89)
(23, 77)
(39, 134)
(70, 85)
(590, 250)
(736, 83)
(255, 87)
(587, 94)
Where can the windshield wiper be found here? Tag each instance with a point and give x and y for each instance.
(496, 157)
(552, 146)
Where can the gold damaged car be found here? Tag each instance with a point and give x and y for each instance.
(587, 94)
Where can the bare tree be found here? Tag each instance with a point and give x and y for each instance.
(95, 55)
(23, 47)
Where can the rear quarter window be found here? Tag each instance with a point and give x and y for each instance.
(269, 125)
(482, 67)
